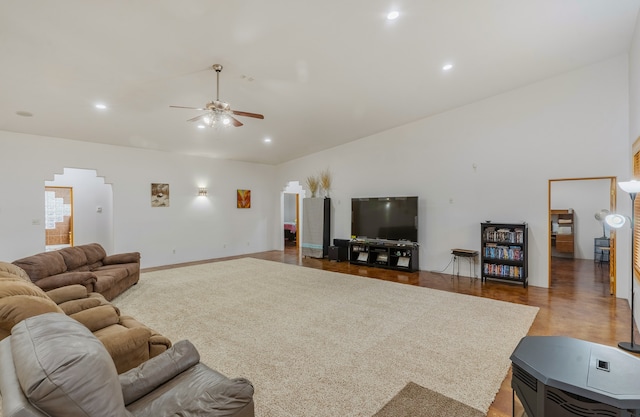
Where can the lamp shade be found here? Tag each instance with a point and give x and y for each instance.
(615, 220)
(631, 187)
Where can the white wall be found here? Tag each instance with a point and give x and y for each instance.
(195, 227)
(489, 160)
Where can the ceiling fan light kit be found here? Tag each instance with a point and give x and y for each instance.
(218, 113)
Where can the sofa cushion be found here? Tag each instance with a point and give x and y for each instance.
(128, 347)
(64, 370)
(74, 258)
(8, 276)
(19, 307)
(9, 288)
(15, 270)
(94, 252)
(42, 265)
(109, 278)
(97, 318)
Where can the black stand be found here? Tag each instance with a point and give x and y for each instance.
(631, 346)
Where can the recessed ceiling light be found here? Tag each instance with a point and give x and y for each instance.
(101, 106)
(267, 140)
(24, 113)
(393, 15)
(201, 126)
(447, 67)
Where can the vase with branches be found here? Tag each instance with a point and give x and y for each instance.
(325, 181)
(313, 183)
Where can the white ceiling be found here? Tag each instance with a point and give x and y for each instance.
(322, 72)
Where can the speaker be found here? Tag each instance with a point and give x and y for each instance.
(338, 253)
(341, 243)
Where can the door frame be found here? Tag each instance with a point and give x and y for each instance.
(612, 232)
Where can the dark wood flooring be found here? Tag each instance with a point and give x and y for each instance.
(577, 304)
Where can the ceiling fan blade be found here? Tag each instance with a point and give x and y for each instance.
(235, 122)
(246, 114)
(183, 107)
(197, 118)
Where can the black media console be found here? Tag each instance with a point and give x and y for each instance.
(392, 254)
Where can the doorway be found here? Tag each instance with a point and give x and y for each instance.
(291, 206)
(91, 207)
(291, 215)
(575, 219)
(58, 203)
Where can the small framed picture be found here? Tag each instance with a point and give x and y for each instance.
(244, 199)
(159, 195)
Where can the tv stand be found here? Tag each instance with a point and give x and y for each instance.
(392, 254)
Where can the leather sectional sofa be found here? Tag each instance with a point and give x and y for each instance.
(53, 366)
(86, 265)
(128, 341)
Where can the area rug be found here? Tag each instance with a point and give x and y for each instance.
(416, 401)
(318, 343)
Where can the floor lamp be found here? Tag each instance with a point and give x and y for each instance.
(617, 221)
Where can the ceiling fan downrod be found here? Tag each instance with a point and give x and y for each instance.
(217, 68)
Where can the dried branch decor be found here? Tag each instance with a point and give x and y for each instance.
(313, 183)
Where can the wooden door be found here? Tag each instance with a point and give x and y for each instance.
(58, 216)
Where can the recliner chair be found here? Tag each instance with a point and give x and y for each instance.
(54, 366)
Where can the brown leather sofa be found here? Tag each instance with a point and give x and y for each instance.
(128, 341)
(86, 265)
(53, 366)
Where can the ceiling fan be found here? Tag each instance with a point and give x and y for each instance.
(219, 113)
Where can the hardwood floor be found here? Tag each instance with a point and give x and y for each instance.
(578, 303)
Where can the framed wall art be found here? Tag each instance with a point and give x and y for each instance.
(244, 198)
(159, 195)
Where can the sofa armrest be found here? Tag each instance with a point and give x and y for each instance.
(157, 342)
(67, 293)
(75, 306)
(139, 381)
(88, 279)
(97, 318)
(122, 258)
(128, 348)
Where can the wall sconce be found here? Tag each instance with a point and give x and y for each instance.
(202, 191)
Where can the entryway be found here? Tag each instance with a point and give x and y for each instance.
(576, 206)
(79, 209)
(291, 214)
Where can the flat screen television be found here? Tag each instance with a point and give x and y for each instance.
(392, 218)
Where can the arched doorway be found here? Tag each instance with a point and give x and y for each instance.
(92, 206)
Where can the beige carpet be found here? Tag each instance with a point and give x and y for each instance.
(417, 401)
(318, 343)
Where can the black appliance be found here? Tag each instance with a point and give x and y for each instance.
(390, 218)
